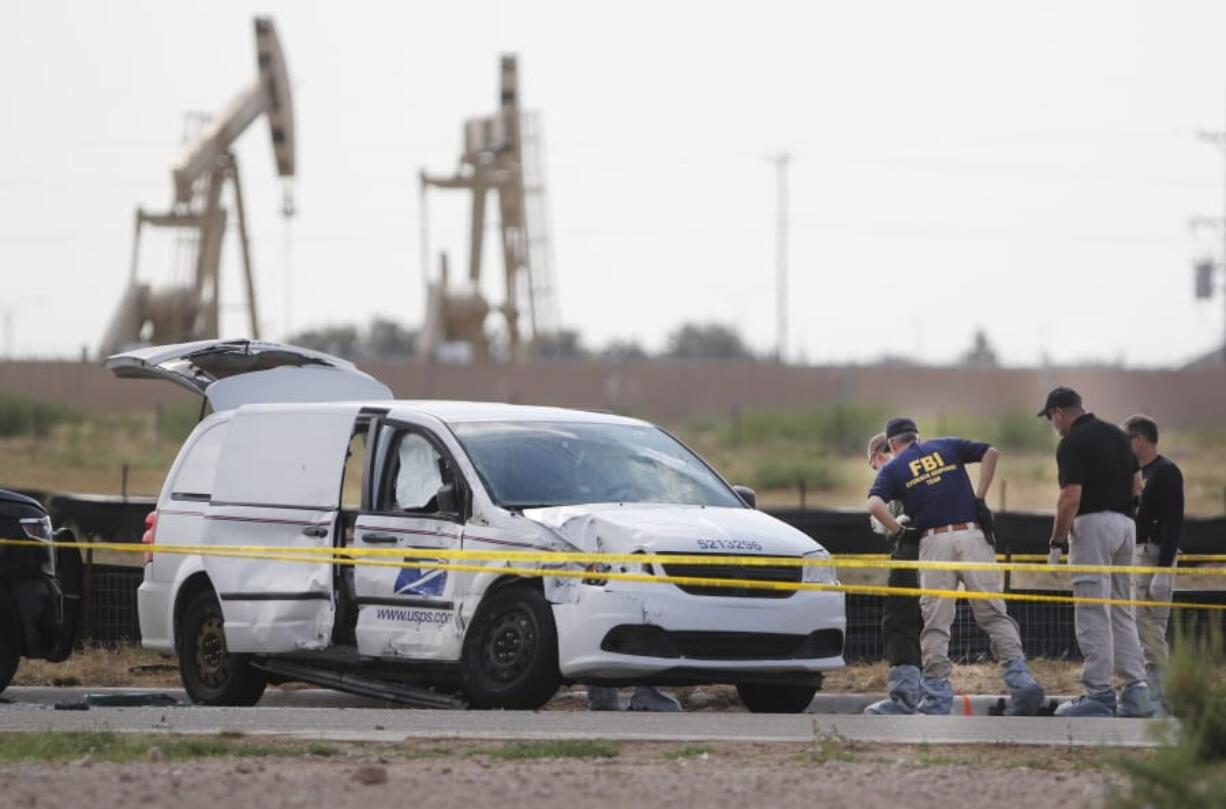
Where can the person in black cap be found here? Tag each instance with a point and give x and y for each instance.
(950, 518)
(1159, 533)
(1098, 476)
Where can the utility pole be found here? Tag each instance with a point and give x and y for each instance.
(9, 311)
(1205, 268)
(782, 162)
(8, 322)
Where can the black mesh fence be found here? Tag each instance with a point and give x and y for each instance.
(109, 610)
(1046, 629)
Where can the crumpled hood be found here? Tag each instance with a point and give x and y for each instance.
(663, 528)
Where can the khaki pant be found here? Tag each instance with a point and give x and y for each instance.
(990, 615)
(1107, 635)
(1152, 621)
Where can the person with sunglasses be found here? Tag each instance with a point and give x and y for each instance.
(1159, 533)
(1098, 476)
(901, 620)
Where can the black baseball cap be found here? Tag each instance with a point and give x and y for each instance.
(899, 426)
(1060, 397)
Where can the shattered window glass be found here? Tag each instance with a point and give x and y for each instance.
(536, 464)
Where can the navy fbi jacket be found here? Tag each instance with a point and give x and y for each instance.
(930, 479)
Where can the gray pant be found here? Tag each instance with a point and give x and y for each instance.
(1107, 635)
(990, 614)
(1152, 621)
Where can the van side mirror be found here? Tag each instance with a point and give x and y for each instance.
(448, 499)
(747, 495)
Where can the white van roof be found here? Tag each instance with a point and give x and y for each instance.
(451, 412)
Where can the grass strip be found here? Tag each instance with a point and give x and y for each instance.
(690, 751)
(561, 748)
(71, 745)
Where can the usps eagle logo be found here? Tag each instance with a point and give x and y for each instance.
(420, 582)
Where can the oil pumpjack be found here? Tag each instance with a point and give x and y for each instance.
(191, 311)
(501, 156)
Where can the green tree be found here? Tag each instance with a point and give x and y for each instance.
(707, 341)
(981, 354)
(622, 350)
(343, 341)
(564, 344)
(382, 339)
(387, 339)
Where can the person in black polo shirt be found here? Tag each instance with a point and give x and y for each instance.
(1098, 477)
(948, 517)
(1159, 532)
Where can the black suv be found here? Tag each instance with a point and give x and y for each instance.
(40, 587)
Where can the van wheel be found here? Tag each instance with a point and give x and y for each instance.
(760, 698)
(211, 674)
(510, 654)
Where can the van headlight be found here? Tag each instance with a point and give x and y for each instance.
(815, 573)
(37, 528)
(40, 528)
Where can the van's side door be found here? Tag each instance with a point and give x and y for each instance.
(278, 486)
(417, 501)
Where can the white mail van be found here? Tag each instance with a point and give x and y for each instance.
(304, 450)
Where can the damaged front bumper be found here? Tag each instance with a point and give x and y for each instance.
(637, 632)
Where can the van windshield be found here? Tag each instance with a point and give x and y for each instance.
(544, 464)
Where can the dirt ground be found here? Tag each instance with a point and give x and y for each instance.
(827, 773)
(134, 667)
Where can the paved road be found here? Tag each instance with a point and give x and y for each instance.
(323, 715)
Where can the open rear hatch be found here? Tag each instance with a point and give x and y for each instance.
(232, 373)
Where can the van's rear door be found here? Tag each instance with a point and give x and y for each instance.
(278, 487)
(232, 373)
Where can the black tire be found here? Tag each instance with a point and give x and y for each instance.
(10, 648)
(510, 653)
(761, 698)
(211, 674)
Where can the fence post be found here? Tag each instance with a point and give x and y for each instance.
(802, 494)
(1004, 495)
(87, 597)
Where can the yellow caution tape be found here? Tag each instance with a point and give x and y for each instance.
(1199, 558)
(876, 562)
(423, 558)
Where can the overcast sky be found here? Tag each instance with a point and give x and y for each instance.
(1027, 168)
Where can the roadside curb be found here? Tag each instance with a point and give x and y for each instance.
(964, 704)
